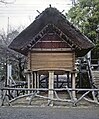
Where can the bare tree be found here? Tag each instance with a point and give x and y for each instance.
(8, 56)
(6, 39)
(6, 2)
(74, 2)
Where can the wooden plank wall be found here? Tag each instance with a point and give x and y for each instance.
(51, 61)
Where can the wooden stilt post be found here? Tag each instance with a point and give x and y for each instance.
(38, 78)
(32, 79)
(57, 80)
(73, 86)
(51, 86)
(35, 80)
(68, 79)
(29, 81)
(46, 82)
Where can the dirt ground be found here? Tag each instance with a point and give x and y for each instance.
(49, 112)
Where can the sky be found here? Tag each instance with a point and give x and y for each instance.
(22, 12)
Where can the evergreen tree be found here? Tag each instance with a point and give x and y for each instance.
(85, 15)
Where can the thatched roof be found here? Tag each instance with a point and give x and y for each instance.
(51, 16)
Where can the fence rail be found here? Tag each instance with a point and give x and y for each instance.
(35, 93)
(46, 89)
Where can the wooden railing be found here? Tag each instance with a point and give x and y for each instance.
(36, 93)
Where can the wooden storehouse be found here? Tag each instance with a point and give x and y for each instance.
(51, 44)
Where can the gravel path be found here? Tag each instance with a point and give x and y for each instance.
(49, 113)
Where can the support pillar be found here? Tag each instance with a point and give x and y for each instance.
(35, 80)
(29, 81)
(68, 79)
(38, 80)
(73, 85)
(57, 80)
(32, 79)
(46, 82)
(51, 86)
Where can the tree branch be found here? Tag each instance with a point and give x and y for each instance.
(5, 2)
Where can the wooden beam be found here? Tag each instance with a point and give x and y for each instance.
(54, 49)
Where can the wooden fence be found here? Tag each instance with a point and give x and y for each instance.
(36, 93)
